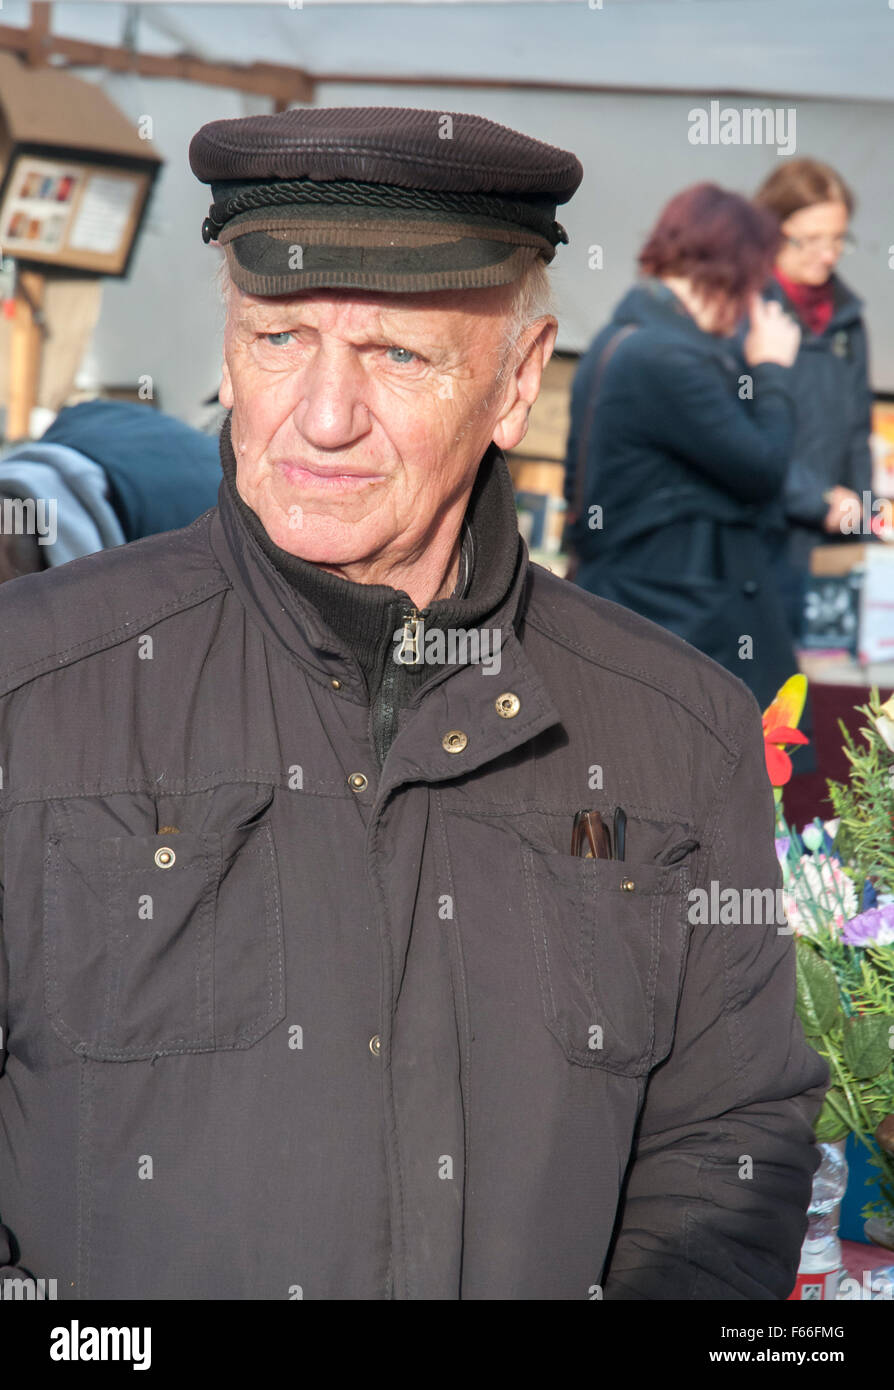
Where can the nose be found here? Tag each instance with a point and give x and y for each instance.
(330, 413)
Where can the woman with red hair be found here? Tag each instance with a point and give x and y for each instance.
(678, 448)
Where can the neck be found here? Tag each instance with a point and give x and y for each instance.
(432, 575)
(703, 314)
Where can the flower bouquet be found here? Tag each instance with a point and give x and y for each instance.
(838, 891)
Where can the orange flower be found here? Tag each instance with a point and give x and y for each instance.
(779, 725)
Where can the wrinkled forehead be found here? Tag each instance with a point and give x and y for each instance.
(472, 312)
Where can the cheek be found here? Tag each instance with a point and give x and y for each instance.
(259, 413)
(417, 425)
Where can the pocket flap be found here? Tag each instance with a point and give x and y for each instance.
(167, 941)
(610, 940)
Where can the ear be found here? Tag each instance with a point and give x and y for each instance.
(523, 387)
(225, 394)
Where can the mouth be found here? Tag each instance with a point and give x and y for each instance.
(312, 476)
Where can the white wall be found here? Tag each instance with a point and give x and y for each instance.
(164, 319)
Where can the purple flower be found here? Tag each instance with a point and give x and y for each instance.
(782, 847)
(876, 926)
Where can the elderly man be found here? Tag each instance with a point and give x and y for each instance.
(315, 985)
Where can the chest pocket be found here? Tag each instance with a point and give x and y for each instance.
(169, 941)
(610, 943)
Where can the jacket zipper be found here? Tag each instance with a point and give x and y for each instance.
(408, 651)
(384, 715)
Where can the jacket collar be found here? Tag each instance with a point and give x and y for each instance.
(289, 617)
(366, 616)
(652, 304)
(847, 307)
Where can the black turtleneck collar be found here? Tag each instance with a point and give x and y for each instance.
(365, 616)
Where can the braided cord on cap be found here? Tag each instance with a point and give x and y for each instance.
(351, 193)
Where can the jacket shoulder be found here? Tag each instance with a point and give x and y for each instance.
(614, 639)
(60, 615)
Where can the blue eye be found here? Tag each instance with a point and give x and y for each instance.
(407, 358)
(271, 336)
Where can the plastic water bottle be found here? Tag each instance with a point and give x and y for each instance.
(821, 1266)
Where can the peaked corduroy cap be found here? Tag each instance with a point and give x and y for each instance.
(379, 197)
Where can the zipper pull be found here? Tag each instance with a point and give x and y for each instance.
(408, 653)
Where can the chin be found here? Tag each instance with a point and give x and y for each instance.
(315, 547)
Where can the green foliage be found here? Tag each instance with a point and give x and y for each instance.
(833, 1122)
(865, 803)
(864, 1045)
(817, 992)
(845, 994)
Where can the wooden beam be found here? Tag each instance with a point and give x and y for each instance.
(264, 79)
(38, 34)
(286, 84)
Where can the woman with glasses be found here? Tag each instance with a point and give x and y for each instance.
(831, 463)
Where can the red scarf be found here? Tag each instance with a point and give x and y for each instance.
(814, 303)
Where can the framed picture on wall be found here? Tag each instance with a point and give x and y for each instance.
(82, 215)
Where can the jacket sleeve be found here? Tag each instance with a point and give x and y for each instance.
(719, 1182)
(741, 446)
(8, 1268)
(580, 391)
(804, 486)
(803, 494)
(859, 463)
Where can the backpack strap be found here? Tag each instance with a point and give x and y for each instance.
(589, 414)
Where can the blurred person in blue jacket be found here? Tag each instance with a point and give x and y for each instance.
(104, 473)
(679, 444)
(831, 464)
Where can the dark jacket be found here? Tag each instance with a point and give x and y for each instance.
(687, 471)
(278, 1030)
(833, 419)
(161, 473)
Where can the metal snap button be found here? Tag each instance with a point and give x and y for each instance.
(357, 782)
(375, 1045)
(508, 705)
(454, 741)
(336, 684)
(627, 885)
(164, 857)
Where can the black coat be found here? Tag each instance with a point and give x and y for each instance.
(688, 476)
(380, 1033)
(833, 421)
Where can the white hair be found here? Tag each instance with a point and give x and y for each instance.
(222, 281)
(533, 300)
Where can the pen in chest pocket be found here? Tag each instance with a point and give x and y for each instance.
(592, 839)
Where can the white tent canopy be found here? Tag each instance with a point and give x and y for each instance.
(820, 48)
